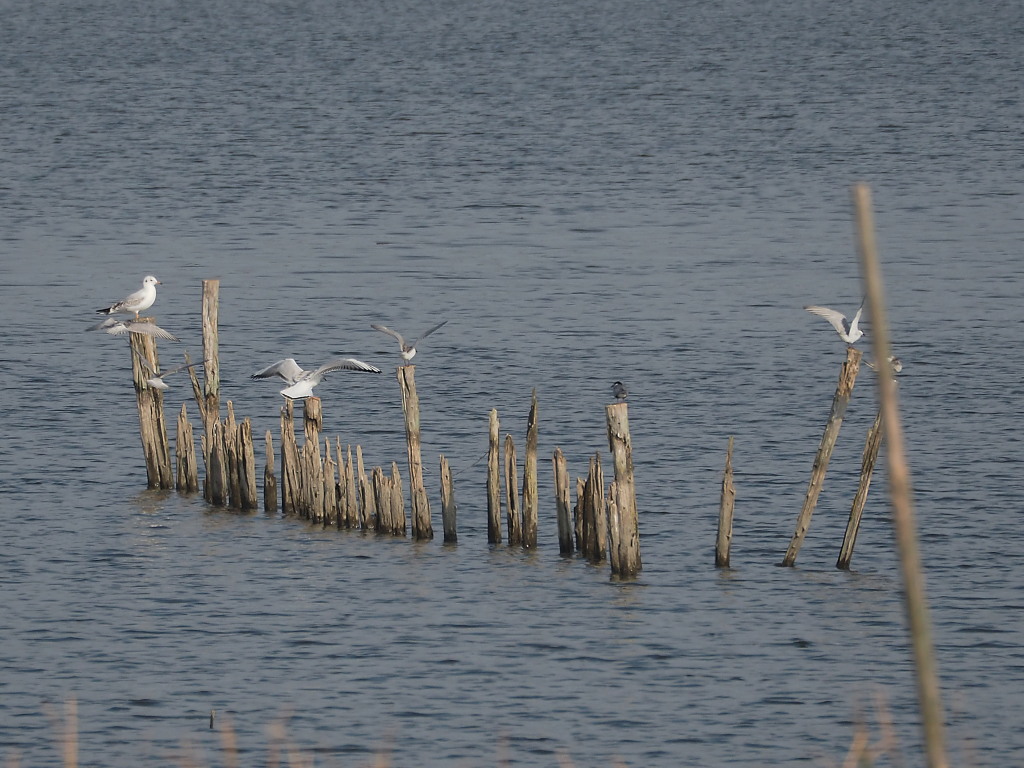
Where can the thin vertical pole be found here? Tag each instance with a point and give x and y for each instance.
(867, 467)
(421, 526)
(530, 479)
(515, 524)
(725, 511)
(621, 445)
(562, 508)
(448, 508)
(493, 482)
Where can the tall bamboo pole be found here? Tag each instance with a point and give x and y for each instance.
(725, 512)
(847, 378)
(915, 600)
(421, 526)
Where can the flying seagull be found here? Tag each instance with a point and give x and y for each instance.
(407, 351)
(619, 390)
(116, 327)
(848, 331)
(300, 383)
(157, 379)
(141, 300)
(895, 363)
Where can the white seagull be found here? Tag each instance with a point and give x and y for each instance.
(848, 331)
(300, 383)
(157, 379)
(407, 351)
(894, 362)
(116, 327)
(141, 300)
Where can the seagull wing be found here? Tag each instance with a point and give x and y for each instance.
(837, 319)
(286, 369)
(110, 322)
(427, 333)
(389, 332)
(149, 329)
(344, 364)
(146, 364)
(182, 367)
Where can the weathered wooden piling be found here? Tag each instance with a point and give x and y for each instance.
(150, 402)
(595, 539)
(847, 378)
(397, 501)
(248, 495)
(562, 508)
(229, 431)
(211, 354)
(351, 518)
(577, 512)
(187, 478)
(867, 467)
(725, 512)
(216, 474)
(367, 504)
(448, 509)
(493, 483)
(382, 500)
(330, 487)
(269, 479)
(621, 445)
(515, 524)
(530, 510)
(614, 529)
(289, 461)
(421, 526)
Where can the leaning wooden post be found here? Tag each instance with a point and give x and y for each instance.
(725, 510)
(530, 479)
(493, 483)
(621, 446)
(421, 527)
(563, 510)
(269, 479)
(929, 695)
(211, 355)
(447, 503)
(187, 479)
(867, 467)
(515, 525)
(150, 401)
(847, 378)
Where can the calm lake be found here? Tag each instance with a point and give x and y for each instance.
(587, 191)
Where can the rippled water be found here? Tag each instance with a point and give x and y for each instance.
(588, 191)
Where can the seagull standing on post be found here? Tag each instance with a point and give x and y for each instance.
(136, 302)
(849, 331)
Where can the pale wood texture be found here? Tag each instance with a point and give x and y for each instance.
(397, 501)
(867, 468)
(421, 526)
(614, 529)
(493, 482)
(187, 478)
(249, 496)
(150, 401)
(367, 504)
(269, 478)
(847, 378)
(577, 512)
(621, 445)
(726, 505)
(563, 512)
(351, 496)
(330, 487)
(929, 695)
(530, 502)
(289, 461)
(594, 521)
(211, 353)
(514, 522)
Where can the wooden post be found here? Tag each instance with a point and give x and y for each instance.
(150, 402)
(351, 502)
(289, 461)
(847, 377)
(211, 354)
(867, 467)
(229, 430)
(515, 525)
(530, 479)
(421, 527)
(493, 483)
(216, 475)
(621, 445)
(451, 536)
(367, 504)
(577, 512)
(187, 480)
(330, 490)
(247, 467)
(725, 510)
(563, 511)
(312, 420)
(397, 501)
(382, 500)
(269, 479)
(594, 538)
(928, 692)
(614, 529)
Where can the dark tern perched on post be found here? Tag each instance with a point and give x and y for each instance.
(619, 390)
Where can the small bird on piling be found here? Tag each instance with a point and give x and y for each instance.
(619, 391)
(894, 362)
(300, 382)
(136, 302)
(157, 379)
(849, 331)
(116, 327)
(407, 351)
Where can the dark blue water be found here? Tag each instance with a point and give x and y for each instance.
(587, 191)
